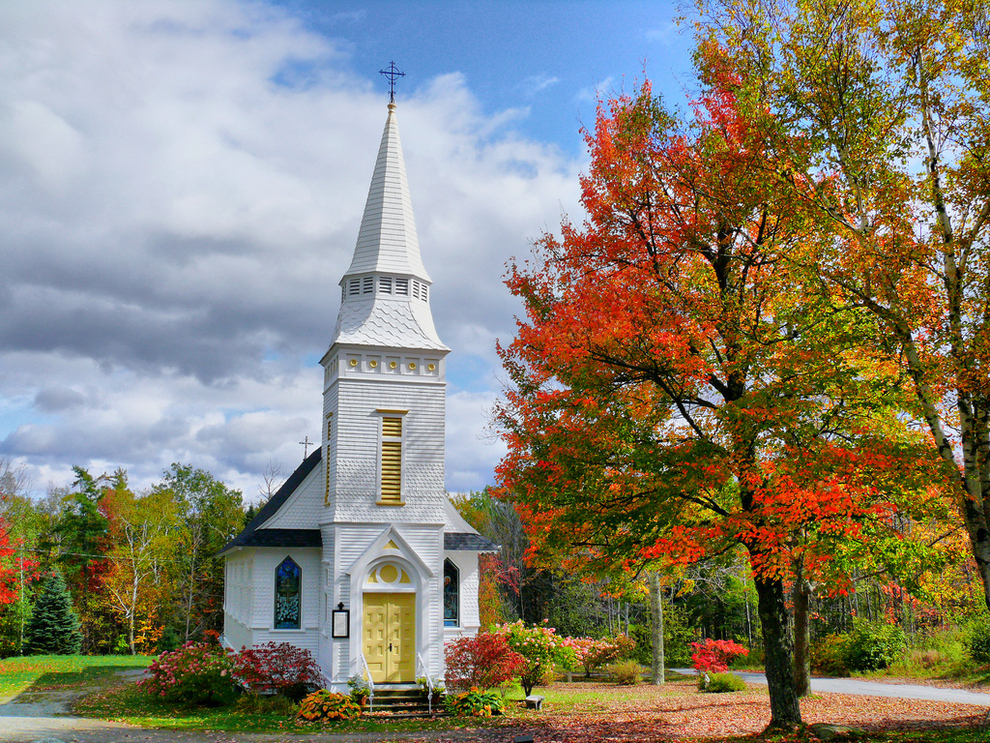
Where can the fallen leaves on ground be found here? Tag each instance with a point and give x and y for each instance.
(677, 711)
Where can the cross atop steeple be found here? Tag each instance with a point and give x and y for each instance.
(392, 73)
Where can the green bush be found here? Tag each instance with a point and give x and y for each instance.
(625, 673)
(873, 646)
(719, 683)
(828, 655)
(978, 642)
(474, 703)
(324, 705)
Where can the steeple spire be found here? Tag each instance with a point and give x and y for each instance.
(386, 290)
(387, 240)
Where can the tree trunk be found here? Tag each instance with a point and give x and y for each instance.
(656, 606)
(778, 651)
(802, 634)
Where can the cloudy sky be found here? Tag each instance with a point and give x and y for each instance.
(181, 185)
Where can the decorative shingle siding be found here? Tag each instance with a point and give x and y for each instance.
(358, 424)
(304, 508)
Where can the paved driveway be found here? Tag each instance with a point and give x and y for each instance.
(874, 688)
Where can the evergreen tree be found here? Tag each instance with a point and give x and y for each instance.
(54, 628)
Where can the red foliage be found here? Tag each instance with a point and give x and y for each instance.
(12, 569)
(278, 668)
(485, 661)
(714, 656)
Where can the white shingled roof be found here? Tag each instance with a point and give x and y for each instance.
(387, 242)
(374, 310)
(390, 323)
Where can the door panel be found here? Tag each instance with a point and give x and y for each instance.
(390, 636)
(375, 640)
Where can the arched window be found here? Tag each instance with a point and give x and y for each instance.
(288, 594)
(451, 595)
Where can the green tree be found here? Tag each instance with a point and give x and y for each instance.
(143, 531)
(211, 514)
(54, 628)
(83, 528)
(883, 111)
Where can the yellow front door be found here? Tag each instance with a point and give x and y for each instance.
(390, 636)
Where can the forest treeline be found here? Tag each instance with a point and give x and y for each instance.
(141, 567)
(143, 577)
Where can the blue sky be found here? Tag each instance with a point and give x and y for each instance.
(181, 185)
(544, 59)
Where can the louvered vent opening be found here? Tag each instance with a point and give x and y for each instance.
(354, 287)
(402, 286)
(391, 460)
(369, 285)
(385, 284)
(392, 427)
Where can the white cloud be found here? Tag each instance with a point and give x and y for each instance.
(180, 190)
(538, 83)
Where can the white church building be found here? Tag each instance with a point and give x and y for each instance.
(360, 557)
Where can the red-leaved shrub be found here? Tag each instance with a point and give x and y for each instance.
(482, 661)
(278, 668)
(714, 656)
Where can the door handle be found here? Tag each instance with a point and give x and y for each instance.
(390, 647)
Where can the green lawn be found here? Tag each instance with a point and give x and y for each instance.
(41, 672)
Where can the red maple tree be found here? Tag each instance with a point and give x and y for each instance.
(674, 391)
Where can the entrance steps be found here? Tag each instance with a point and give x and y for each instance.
(403, 701)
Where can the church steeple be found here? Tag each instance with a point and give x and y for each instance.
(387, 241)
(385, 299)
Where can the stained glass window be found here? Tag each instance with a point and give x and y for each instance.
(288, 591)
(451, 594)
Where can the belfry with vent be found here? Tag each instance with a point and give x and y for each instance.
(360, 557)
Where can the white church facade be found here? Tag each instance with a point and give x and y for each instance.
(360, 557)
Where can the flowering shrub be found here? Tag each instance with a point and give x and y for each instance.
(483, 661)
(577, 650)
(278, 668)
(326, 705)
(607, 650)
(714, 656)
(196, 673)
(474, 703)
(541, 648)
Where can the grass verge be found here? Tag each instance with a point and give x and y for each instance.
(36, 673)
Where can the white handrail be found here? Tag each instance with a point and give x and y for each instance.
(371, 685)
(420, 663)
